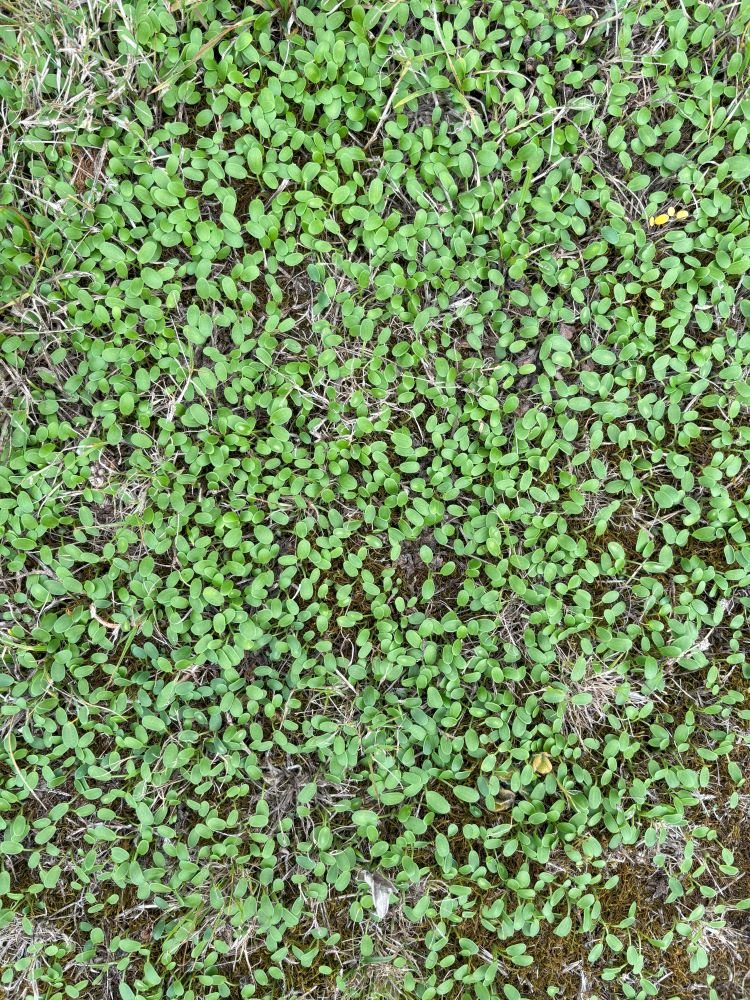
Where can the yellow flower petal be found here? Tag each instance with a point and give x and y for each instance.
(659, 220)
(682, 214)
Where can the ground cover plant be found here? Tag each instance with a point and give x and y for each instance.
(374, 499)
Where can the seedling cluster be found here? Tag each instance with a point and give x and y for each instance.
(374, 500)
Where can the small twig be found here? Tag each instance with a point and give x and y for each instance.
(388, 104)
(106, 624)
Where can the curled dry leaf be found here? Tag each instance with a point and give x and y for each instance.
(504, 800)
(380, 889)
(541, 763)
